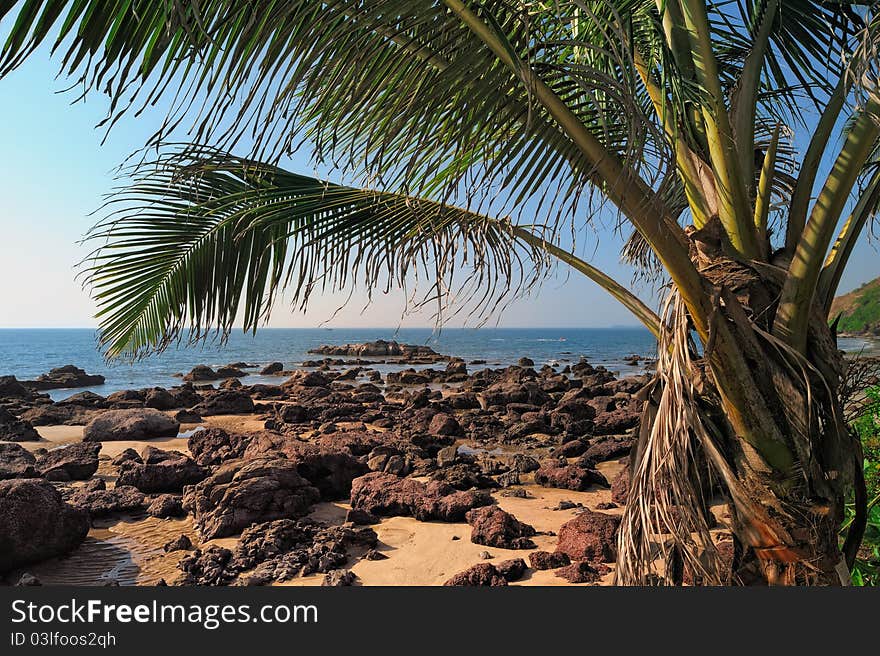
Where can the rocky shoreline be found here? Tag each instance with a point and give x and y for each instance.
(315, 477)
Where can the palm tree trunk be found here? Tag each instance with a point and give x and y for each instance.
(785, 511)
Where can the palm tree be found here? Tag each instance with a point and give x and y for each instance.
(734, 137)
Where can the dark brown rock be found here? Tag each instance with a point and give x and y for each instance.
(64, 377)
(590, 536)
(481, 574)
(36, 523)
(136, 424)
(548, 560)
(243, 492)
(13, 429)
(102, 502)
(224, 402)
(74, 462)
(161, 471)
(388, 495)
(569, 477)
(16, 462)
(493, 527)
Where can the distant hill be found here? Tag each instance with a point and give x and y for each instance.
(860, 309)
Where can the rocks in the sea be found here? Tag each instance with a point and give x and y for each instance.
(388, 495)
(13, 429)
(161, 471)
(272, 369)
(381, 348)
(569, 477)
(134, 424)
(166, 505)
(224, 402)
(481, 574)
(494, 527)
(243, 492)
(74, 462)
(36, 523)
(16, 462)
(201, 373)
(590, 536)
(64, 377)
(548, 559)
(100, 501)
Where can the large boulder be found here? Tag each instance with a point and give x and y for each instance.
(211, 446)
(494, 527)
(272, 368)
(161, 471)
(590, 536)
(13, 429)
(36, 523)
(53, 414)
(389, 495)
(569, 477)
(481, 574)
(95, 498)
(16, 462)
(134, 424)
(243, 492)
(64, 377)
(75, 462)
(225, 402)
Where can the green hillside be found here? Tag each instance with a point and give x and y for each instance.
(860, 310)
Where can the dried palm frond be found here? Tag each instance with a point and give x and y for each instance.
(665, 521)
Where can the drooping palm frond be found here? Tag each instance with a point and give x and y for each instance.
(198, 242)
(200, 239)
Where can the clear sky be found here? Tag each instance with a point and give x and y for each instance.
(53, 175)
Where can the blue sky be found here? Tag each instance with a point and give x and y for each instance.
(54, 172)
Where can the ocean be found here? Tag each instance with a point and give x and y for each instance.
(27, 353)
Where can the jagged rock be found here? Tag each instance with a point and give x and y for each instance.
(166, 505)
(36, 523)
(481, 574)
(513, 569)
(74, 462)
(388, 495)
(493, 527)
(161, 471)
(13, 429)
(339, 578)
(52, 414)
(16, 462)
(136, 424)
(580, 572)
(608, 448)
(64, 377)
(126, 455)
(548, 560)
(180, 543)
(620, 486)
(590, 536)
(210, 566)
(569, 477)
(101, 502)
(243, 492)
(199, 373)
(225, 402)
(271, 369)
(211, 446)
